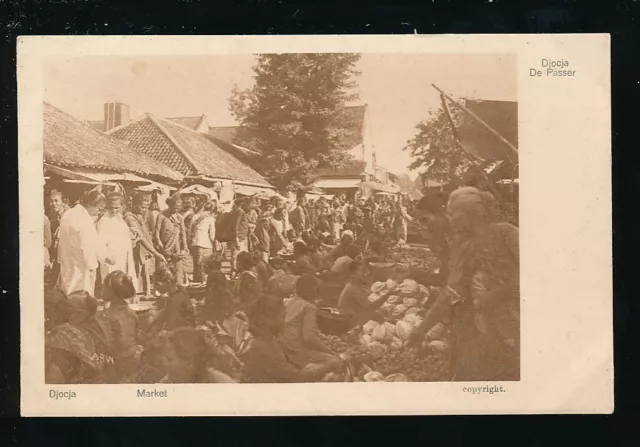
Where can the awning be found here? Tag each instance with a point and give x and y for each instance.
(338, 183)
(379, 187)
(199, 190)
(247, 190)
(317, 196)
(502, 116)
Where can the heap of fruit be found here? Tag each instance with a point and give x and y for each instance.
(417, 257)
(337, 344)
(403, 299)
(430, 366)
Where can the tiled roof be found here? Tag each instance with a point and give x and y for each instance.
(227, 133)
(192, 122)
(70, 143)
(185, 150)
(98, 125)
(145, 136)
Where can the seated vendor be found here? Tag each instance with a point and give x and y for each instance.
(267, 359)
(178, 310)
(248, 285)
(339, 250)
(118, 287)
(304, 263)
(354, 297)
(184, 356)
(341, 265)
(300, 335)
(282, 282)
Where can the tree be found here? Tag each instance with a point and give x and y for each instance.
(434, 148)
(294, 115)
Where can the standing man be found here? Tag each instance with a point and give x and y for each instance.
(241, 231)
(401, 220)
(79, 248)
(299, 217)
(57, 207)
(170, 237)
(262, 235)
(143, 250)
(47, 243)
(252, 220)
(114, 234)
(202, 238)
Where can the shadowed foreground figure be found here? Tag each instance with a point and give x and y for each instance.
(482, 296)
(266, 360)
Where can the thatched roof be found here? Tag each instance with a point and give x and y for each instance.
(185, 150)
(70, 143)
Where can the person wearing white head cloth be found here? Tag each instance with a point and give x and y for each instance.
(114, 234)
(482, 295)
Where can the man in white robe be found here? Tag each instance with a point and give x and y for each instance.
(79, 248)
(113, 231)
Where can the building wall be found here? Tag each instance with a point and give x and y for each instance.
(365, 151)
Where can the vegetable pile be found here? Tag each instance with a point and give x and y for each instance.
(416, 257)
(433, 366)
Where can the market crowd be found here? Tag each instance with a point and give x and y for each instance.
(106, 256)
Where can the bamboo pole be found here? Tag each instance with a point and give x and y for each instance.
(494, 132)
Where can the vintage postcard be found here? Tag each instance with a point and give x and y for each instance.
(315, 225)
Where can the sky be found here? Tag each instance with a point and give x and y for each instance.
(396, 88)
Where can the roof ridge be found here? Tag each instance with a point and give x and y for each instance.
(170, 122)
(184, 153)
(122, 126)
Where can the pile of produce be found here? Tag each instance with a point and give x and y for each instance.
(390, 360)
(431, 366)
(404, 299)
(415, 256)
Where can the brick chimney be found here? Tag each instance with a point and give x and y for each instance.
(115, 114)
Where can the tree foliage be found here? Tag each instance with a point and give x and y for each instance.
(294, 115)
(434, 149)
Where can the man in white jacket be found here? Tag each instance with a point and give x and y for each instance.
(79, 248)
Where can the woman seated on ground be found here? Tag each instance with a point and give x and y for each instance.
(182, 356)
(283, 281)
(338, 250)
(118, 287)
(262, 268)
(341, 265)
(80, 351)
(248, 285)
(220, 310)
(302, 255)
(177, 310)
(354, 300)
(300, 335)
(266, 360)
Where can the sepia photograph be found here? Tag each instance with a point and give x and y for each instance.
(329, 225)
(270, 218)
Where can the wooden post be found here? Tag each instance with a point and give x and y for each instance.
(513, 149)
